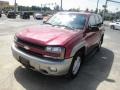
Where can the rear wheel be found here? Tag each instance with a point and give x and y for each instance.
(75, 66)
(113, 27)
(100, 44)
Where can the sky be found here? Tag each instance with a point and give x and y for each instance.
(67, 4)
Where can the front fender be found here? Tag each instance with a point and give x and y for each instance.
(76, 48)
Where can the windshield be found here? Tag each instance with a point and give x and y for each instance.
(74, 21)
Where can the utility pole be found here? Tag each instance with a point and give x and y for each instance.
(15, 7)
(97, 6)
(105, 6)
(41, 8)
(61, 5)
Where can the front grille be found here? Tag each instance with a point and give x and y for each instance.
(35, 54)
(30, 44)
(29, 52)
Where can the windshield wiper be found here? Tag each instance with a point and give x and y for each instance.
(64, 26)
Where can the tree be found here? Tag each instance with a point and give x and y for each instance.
(57, 8)
(33, 8)
(74, 9)
(87, 10)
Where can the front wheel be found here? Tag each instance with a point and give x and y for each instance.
(75, 66)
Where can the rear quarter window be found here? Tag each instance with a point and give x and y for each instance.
(100, 19)
(92, 21)
(97, 19)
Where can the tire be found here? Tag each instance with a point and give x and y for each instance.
(75, 66)
(100, 44)
(113, 27)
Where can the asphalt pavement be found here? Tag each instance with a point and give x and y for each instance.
(99, 72)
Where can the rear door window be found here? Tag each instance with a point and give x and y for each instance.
(100, 19)
(97, 19)
(92, 21)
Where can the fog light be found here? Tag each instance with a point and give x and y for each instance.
(53, 69)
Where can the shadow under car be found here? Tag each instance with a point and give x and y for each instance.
(94, 70)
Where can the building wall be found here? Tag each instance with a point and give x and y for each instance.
(4, 4)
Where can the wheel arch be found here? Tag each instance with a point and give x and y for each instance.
(81, 50)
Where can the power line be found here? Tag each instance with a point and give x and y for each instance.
(113, 1)
(105, 6)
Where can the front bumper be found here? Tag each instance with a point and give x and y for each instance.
(45, 66)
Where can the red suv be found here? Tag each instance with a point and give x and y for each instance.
(59, 46)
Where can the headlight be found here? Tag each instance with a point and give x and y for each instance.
(54, 49)
(60, 51)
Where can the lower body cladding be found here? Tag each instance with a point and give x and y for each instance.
(45, 66)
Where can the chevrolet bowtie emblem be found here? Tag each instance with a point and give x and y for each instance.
(26, 47)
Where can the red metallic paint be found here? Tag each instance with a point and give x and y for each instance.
(52, 36)
(47, 35)
(37, 51)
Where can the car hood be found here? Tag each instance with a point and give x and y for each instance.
(47, 35)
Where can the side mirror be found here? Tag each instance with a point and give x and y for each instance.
(93, 28)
